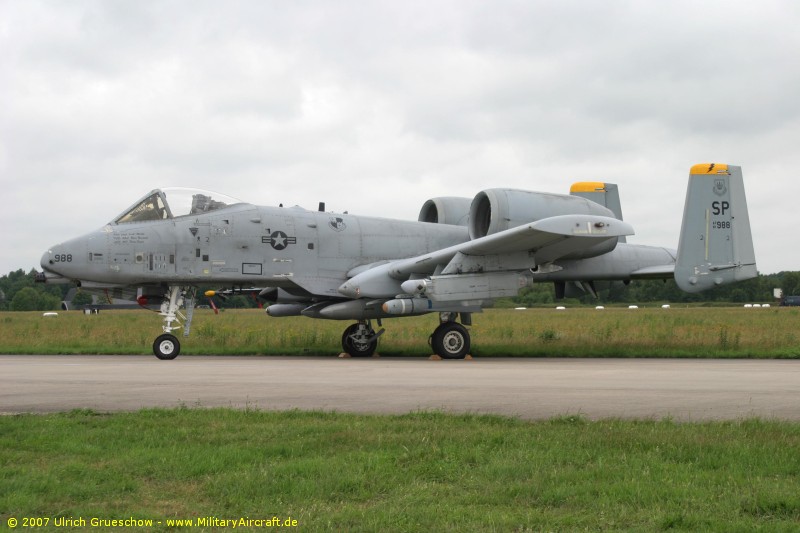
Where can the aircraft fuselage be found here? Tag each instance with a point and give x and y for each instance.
(245, 244)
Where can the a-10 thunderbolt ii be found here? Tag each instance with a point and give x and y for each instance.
(455, 260)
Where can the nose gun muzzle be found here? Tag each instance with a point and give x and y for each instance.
(50, 277)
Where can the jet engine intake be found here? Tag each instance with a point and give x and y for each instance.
(494, 210)
(450, 210)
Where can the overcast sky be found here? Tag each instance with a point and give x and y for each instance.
(374, 107)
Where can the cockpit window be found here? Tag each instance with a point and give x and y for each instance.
(175, 202)
(151, 208)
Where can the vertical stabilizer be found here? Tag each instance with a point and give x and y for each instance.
(716, 246)
(605, 194)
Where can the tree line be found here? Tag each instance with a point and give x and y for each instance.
(20, 292)
(757, 290)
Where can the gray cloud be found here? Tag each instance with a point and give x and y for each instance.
(375, 107)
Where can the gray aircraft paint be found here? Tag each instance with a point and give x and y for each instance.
(716, 245)
(456, 260)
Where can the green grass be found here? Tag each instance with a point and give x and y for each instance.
(418, 472)
(582, 332)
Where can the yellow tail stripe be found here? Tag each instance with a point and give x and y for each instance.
(587, 186)
(709, 168)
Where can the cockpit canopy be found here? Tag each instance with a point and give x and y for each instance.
(173, 202)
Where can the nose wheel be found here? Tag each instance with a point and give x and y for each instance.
(166, 347)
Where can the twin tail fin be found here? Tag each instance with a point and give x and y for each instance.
(716, 245)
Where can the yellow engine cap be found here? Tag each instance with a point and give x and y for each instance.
(588, 186)
(210, 294)
(709, 168)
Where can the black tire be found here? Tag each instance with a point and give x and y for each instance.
(355, 348)
(166, 347)
(450, 341)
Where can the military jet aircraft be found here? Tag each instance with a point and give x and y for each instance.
(458, 257)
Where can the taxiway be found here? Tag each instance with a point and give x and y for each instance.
(683, 389)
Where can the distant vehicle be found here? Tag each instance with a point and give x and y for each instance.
(790, 301)
(458, 257)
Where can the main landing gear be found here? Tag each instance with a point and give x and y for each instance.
(451, 340)
(167, 346)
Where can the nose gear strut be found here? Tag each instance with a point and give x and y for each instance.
(167, 346)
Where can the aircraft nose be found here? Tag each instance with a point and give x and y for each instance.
(57, 258)
(47, 259)
(69, 259)
(49, 274)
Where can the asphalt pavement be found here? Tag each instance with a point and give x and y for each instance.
(683, 389)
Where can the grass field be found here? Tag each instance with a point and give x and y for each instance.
(417, 472)
(613, 332)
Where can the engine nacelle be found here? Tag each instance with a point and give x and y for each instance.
(450, 210)
(496, 210)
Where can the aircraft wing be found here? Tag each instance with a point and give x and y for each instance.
(547, 240)
(514, 249)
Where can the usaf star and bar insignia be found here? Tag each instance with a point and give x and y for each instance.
(278, 240)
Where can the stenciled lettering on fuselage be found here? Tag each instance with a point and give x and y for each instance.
(278, 240)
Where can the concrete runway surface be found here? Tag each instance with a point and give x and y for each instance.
(684, 389)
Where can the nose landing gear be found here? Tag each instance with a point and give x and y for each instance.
(167, 346)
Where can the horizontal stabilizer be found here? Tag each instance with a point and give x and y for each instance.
(654, 272)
